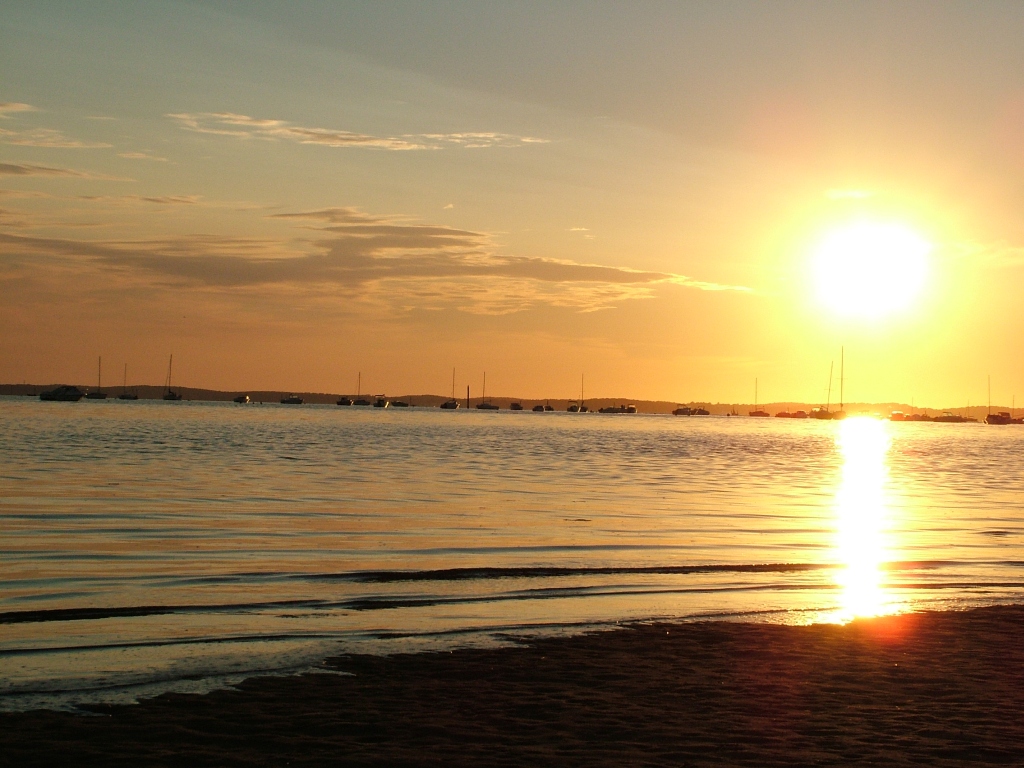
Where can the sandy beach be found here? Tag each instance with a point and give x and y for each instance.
(927, 689)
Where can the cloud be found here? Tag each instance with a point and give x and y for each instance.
(159, 200)
(141, 156)
(25, 169)
(7, 107)
(46, 137)
(245, 127)
(390, 263)
(29, 169)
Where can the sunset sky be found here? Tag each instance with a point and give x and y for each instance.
(285, 194)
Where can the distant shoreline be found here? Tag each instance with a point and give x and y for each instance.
(151, 392)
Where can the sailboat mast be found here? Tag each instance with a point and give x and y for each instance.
(842, 374)
(483, 397)
(99, 374)
(581, 390)
(359, 383)
(453, 383)
(170, 366)
(828, 400)
(990, 395)
(124, 386)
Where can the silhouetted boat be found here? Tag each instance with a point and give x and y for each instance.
(948, 417)
(63, 394)
(345, 401)
(682, 410)
(573, 408)
(1003, 417)
(170, 394)
(291, 400)
(399, 404)
(515, 407)
(242, 399)
(453, 404)
(361, 401)
(484, 405)
(759, 413)
(125, 394)
(618, 409)
(98, 394)
(538, 409)
(381, 402)
(548, 407)
(700, 412)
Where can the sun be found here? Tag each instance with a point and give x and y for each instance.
(870, 270)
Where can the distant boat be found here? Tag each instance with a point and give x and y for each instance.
(242, 399)
(573, 408)
(700, 412)
(345, 401)
(484, 405)
(170, 394)
(63, 394)
(759, 413)
(999, 418)
(362, 401)
(399, 404)
(453, 404)
(948, 417)
(682, 410)
(515, 407)
(538, 409)
(548, 407)
(291, 400)
(381, 402)
(98, 394)
(618, 409)
(125, 394)
(579, 407)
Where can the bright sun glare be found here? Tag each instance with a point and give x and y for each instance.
(869, 269)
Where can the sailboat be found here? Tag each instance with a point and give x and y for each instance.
(451, 405)
(992, 418)
(98, 394)
(484, 405)
(823, 413)
(125, 394)
(578, 407)
(170, 394)
(758, 412)
(359, 389)
(841, 414)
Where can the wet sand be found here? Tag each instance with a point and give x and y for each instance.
(927, 689)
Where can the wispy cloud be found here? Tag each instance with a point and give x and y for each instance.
(29, 169)
(246, 127)
(46, 137)
(141, 156)
(390, 263)
(7, 107)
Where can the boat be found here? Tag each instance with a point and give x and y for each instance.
(700, 412)
(548, 407)
(822, 412)
(578, 407)
(618, 409)
(381, 402)
(573, 407)
(948, 417)
(759, 413)
(1003, 417)
(291, 400)
(361, 401)
(453, 404)
(98, 393)
(484, 405)
(682, 410)
(515, 407)
(841, 413)
(399, 404)
(170, 394)
(62, 394)
(538, 409)
(125, 394)
(345, 401)
(242, 399)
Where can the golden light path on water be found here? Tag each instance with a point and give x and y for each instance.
(862, 518)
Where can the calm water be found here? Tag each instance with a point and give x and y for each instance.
(158, 546)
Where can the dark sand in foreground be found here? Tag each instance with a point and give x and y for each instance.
(932, 689)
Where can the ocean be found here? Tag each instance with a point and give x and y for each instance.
(148, 547)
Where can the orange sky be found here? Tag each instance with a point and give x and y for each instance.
(536, 190)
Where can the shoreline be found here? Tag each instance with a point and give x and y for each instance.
(942, 688)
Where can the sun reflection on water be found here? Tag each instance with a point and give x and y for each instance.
(862, 518)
